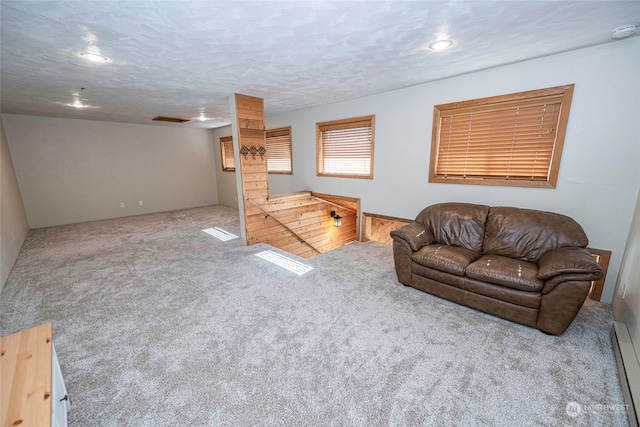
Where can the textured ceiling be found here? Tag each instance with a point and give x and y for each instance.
(184, 58)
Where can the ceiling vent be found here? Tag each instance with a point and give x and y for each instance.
(170, 119)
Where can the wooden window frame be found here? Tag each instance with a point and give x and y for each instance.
(224, 140)
(558, 94)
(350, 123)
(283, 131)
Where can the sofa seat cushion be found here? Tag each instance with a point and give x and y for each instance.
(512, 273)
(450, 259)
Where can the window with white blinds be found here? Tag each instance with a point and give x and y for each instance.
(278, 143)
(511, 140)
(226, 151)
(345, 147)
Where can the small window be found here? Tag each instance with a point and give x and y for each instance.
(345, 147)
(278, 143)
(226, 149)
(509, 140)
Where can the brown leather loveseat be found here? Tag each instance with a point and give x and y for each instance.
(528, 266)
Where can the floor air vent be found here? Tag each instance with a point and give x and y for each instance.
(170, 119)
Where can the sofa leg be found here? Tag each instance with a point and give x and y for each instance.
(408, 286)
(547, 333)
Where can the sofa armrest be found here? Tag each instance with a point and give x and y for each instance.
(416, 235)
(560, 305)
(573, 261)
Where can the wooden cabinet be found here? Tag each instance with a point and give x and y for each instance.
(33, 390)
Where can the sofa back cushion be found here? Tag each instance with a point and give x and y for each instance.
(456, 224)
(528, 234)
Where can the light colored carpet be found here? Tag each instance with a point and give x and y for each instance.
(157, 323)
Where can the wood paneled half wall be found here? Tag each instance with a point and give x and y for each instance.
(299, 223)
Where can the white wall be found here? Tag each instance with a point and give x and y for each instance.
(13, 218)
(79, 170)
(627, 309)
(227, 187)
(598, 178)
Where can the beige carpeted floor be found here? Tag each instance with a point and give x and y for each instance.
(157, 323)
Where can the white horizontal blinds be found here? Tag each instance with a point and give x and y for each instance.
(346, 148)
(226, 148)
(513, 142)
(278, 143)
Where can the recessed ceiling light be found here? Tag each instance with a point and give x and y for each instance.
(76, 104)
(624, 31)
(440, 44)
(94, 57)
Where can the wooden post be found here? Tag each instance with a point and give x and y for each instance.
(299, 223)
(252, 153)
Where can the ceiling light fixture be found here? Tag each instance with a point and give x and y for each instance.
(76, 104)
(440, 44)
(624, 31)
(94, 57)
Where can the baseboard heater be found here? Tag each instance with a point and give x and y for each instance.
(628, 370)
